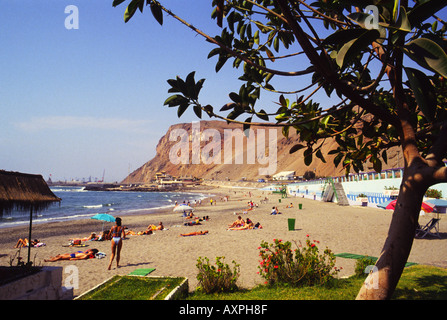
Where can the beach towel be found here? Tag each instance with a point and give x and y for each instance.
(359, 256)
(142, 272)
(75, 245)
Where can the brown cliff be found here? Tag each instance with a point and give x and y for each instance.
(195, 159)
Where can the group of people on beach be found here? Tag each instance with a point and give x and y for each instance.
(118, 232)
(241, 224)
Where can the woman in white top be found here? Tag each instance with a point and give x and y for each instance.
(117, 233)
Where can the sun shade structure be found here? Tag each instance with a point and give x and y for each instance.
(24, 192)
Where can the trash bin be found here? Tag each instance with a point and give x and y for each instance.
(300, 206)
(291, 224)
(279, 200)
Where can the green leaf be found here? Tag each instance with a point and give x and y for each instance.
(308, 156)
(425, 10)
(228, 106)
(343, 36)
(181, 109)
(295, 148)
(235, 97)
(117, 2)
(423, 91)
(276, 44)
(366, 21)
(171, 100)
(325, 120)
(220, 63)
(283, 101)
(359, 18)
(157, 12)
(427, 54)
(131, 9)
(320, 156)
(385, 156)
(402, 22)
(353, 48)
(337, 159)
(263, 115)
(191, 85)
(377, 164)
(256, 37)
(246, 126)
(209, 110)
(198, 111)
(175, 100)
(396, 9)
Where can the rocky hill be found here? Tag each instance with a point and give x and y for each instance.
(220, 156)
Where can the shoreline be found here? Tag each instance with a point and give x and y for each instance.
(128, 212)
(357, 230)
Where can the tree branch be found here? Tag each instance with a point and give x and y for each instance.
(439, 149)
(324, 68)
(234, 53)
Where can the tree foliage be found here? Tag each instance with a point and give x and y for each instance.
(382, 63)
(354, 57)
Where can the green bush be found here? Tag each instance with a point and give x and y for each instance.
(219, 278)
(361, 264)
(302, 266)
(433, 193)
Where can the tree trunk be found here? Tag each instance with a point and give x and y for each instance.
(383, 279)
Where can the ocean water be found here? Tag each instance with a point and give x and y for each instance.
(78, 203)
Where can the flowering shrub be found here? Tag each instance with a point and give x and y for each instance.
(219, 278)
(361, 265)
(302, 266)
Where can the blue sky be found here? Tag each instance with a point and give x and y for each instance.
(77, 102)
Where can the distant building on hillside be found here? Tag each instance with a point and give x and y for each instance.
(284, 175)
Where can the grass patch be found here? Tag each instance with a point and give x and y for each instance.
(422, 283)
(417, 283)
(133, 288)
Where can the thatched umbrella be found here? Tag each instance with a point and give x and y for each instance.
(22, 191)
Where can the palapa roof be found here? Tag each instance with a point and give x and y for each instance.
(23, 191)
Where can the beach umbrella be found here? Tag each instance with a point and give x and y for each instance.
(22, 192)
(437, 202)
(440, 204)
(104, 217)
(383, 205)
(426, 207)
(183, 208)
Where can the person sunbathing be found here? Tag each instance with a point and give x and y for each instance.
(139, 233)
(192, 223)
(195, 233)
(88, 254)
(238, 223)
(105, 235)
(190, 216)
(248, 224)
(154, 227)
(25, 243)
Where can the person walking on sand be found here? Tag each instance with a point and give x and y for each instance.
(117, 233)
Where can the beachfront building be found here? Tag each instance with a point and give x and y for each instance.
(162, 176)
(376, 187)
(284, 175)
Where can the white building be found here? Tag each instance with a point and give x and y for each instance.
(284, 175)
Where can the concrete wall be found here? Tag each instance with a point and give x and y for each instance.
(43, 285)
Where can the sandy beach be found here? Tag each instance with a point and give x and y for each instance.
(358, 230)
